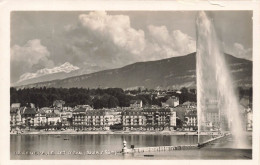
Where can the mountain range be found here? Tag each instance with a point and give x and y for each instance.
(63, 71)
(171, 73)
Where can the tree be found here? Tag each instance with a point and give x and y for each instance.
(139, 89)
(14, 95)
(179, 123)
(97, 103)
(193, 91)
(103, 98)
(113, 102)
(58, 103)
(184, 90)
(146, 100)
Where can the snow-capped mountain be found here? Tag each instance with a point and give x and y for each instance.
(64, 68)
(171, 73)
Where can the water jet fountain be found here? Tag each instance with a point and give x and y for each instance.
(217, 103)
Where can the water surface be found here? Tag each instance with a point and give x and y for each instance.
(64, 147)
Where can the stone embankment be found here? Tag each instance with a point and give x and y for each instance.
(126, 150)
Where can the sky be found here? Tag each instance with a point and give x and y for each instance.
(98, 40)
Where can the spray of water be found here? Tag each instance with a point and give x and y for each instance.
(218, 107)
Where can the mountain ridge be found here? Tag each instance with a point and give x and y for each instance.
(27, 78)
(173, 73)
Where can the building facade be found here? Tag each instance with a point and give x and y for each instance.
(28, 115)
(249, 115)
(160, 118)
(149, 119)
(66, 118)
(79, 118)
(133, 120)
(171, 102)
(136, 103)
(15, 116)
(191, 123)
(40, 119)
(53, 119)
(98, 119)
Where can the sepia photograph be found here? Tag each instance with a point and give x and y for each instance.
(131, 84)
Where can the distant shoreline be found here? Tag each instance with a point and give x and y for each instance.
(164, 133)
(72, 132)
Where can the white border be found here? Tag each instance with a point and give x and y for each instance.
(79, 5)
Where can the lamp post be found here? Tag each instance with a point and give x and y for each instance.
(124, 150)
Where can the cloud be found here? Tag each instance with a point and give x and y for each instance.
(242, 52)
(116, 28)
(159, 34)
(170, 44)
(29, 57)
(100, 41)
(238, 50)
(110, 41)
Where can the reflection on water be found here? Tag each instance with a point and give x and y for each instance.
(94, 146)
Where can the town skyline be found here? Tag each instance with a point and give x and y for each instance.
(113, 109)
(130, 81)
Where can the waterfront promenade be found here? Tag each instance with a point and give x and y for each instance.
(32, 132)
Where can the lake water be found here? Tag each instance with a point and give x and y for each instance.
(81, 147)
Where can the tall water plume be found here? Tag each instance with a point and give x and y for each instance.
(218, 107)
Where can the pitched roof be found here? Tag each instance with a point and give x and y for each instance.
(191, 113)
(46, 108)
(29, 111)
(41, 111)
(135, 101)
(16, 105)
(52, 115)
(187, 103)
(80, 110)
(99, 112)
(56, 111)
(13, 110)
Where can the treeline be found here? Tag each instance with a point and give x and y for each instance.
(98, 98)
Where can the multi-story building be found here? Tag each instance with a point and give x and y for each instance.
(149, 119)
(117, 114)
(99, 119)
(191, 123)
(160, 118)
(66, 118)
(53, 118)
(133, 120)
(136, 103)
(211, 120)
(79, 118)
(102, 119)
(96, 120)
(171, 102)
(28, 115)
(15, 116)
(40, 118)
(249, 115)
